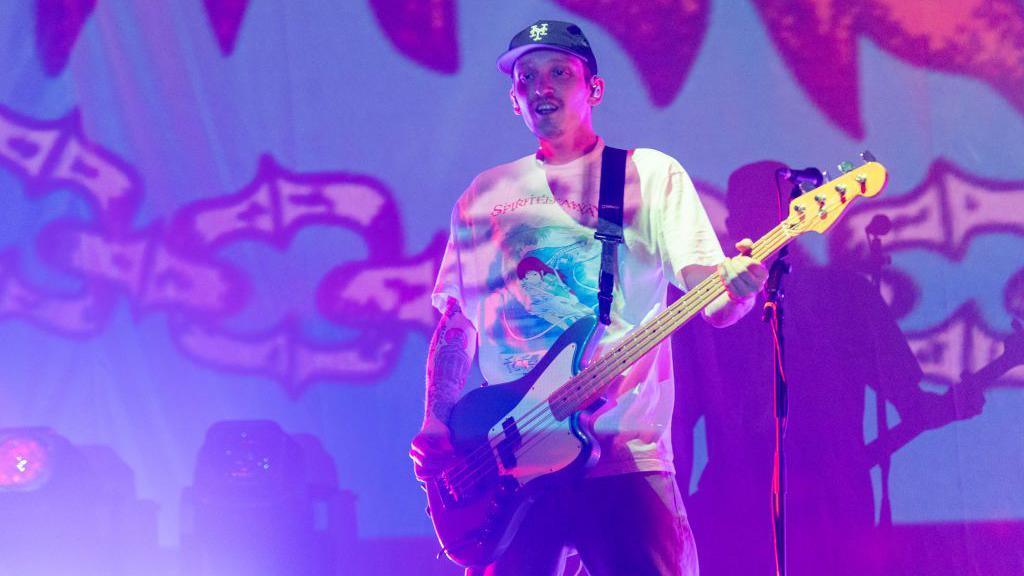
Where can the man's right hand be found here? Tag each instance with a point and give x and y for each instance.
(431, 449)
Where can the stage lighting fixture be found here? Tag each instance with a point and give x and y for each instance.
(69, 509)
(248, 460)
(250, 504)
(26, 458)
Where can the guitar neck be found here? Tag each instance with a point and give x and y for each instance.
(587, 386)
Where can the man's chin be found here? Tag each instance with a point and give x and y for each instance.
(546, 130)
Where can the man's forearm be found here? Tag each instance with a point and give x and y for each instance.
(448, 362)
(724, 311)
(727, 309)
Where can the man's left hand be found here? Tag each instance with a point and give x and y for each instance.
(742, 275)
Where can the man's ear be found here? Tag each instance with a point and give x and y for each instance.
(515, 103)
(596, 90)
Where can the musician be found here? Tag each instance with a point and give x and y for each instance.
(522, 261)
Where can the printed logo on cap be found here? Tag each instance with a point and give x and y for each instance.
(538, 32)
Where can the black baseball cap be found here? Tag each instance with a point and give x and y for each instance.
(549, 34)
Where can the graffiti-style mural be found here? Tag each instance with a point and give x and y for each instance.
(662, 38)
(173, 268)
(234, 210)
(226, 19)
(979, 38)
(423, 30)
(58, 24)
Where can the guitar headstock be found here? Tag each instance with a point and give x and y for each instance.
(818, 209)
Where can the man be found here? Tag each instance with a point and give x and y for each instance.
(521, 262)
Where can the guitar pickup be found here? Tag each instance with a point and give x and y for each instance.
(507, 447)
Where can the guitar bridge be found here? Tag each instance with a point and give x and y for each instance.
(449, 495)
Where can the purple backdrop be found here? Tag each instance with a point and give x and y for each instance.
(232, 211)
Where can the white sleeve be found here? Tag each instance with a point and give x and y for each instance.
(449, 275)
(684, 230)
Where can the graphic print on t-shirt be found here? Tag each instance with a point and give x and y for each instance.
(549, 282)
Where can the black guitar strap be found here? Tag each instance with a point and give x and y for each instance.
(609, 225)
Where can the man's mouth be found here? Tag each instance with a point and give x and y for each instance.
(545, 108)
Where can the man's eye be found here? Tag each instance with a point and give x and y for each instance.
(526, 76)
(560, 72)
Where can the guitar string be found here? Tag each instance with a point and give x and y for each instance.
(538, 417)
(468, 474)
(661, 332)
(770, 243)
(658, 329)
(764, 248)
(658, 332)
(531, 415)
(467, 470)
(482, 461)
(539, 421)
(540, 436)
(611, 371)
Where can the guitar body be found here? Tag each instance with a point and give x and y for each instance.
(509, 446)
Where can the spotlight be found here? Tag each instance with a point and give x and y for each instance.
(250, 505)
(70, 509)
(247, 460)
(26, 458)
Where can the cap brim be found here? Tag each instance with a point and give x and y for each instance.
(508, 60)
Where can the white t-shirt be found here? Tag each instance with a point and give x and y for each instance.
(522, 262)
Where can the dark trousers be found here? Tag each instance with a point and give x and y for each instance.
(624, 525)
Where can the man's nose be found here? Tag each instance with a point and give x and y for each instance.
(544, 88)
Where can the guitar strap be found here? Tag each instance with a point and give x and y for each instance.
(609, 225)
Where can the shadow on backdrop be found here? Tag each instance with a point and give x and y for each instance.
(844, 350)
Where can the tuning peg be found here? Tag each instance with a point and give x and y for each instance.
(845, 167)
(842, 189)
(867, 156)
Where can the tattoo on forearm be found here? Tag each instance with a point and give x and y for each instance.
(447, 366)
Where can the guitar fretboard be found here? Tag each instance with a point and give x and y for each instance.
(584, 388)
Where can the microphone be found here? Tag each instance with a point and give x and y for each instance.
(880, 225)
(809, 174)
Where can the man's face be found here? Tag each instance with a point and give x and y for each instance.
(550, 90)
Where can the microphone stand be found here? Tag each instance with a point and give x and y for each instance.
(773, 315)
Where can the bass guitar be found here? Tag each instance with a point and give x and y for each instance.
(512, 440)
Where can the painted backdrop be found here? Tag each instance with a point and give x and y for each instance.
(221, 220)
